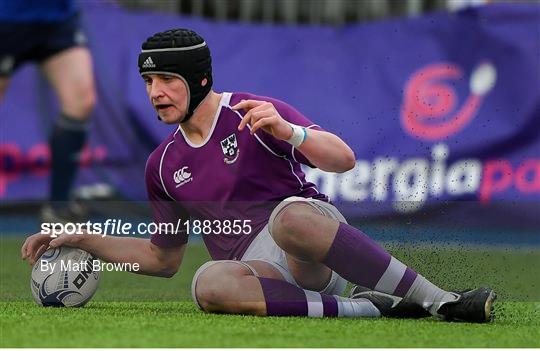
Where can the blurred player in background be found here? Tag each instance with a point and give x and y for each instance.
(49, 33)
(236, 150)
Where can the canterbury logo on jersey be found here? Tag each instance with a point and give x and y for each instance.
(182, 176)
(148, 63)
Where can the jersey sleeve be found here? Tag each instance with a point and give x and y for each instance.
(167, 214)
(291, 115)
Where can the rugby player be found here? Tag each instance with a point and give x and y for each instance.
(49, 33)
(230, 153)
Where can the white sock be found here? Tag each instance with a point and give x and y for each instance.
(427, 294)
(356, 307)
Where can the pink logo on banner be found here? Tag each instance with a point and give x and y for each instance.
(429, 101)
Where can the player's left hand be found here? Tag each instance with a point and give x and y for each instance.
(263, 115)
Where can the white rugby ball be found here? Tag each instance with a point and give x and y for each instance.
(64, 277)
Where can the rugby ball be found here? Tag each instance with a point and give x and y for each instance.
(64, 277)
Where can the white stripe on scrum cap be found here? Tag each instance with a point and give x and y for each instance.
(186, 48)
(314, 304)
(391, 277)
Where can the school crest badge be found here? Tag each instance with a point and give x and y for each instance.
(229, 146)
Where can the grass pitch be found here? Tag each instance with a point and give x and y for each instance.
(129, 310)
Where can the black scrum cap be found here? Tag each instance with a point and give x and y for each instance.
(184, 54)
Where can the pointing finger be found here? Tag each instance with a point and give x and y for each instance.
(247, 104)
(260, 123)
(245, 121)
(238, 105)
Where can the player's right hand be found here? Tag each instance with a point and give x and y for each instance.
(263, 115)
(35, 245)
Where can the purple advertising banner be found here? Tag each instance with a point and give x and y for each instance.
(442, 107)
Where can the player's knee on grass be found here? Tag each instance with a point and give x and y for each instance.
(215, 286)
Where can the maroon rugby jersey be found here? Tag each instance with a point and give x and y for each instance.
(231, 175)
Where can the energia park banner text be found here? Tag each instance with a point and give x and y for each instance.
(437, 108)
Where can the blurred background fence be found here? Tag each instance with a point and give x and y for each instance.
(290, 11)
(333, 12)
